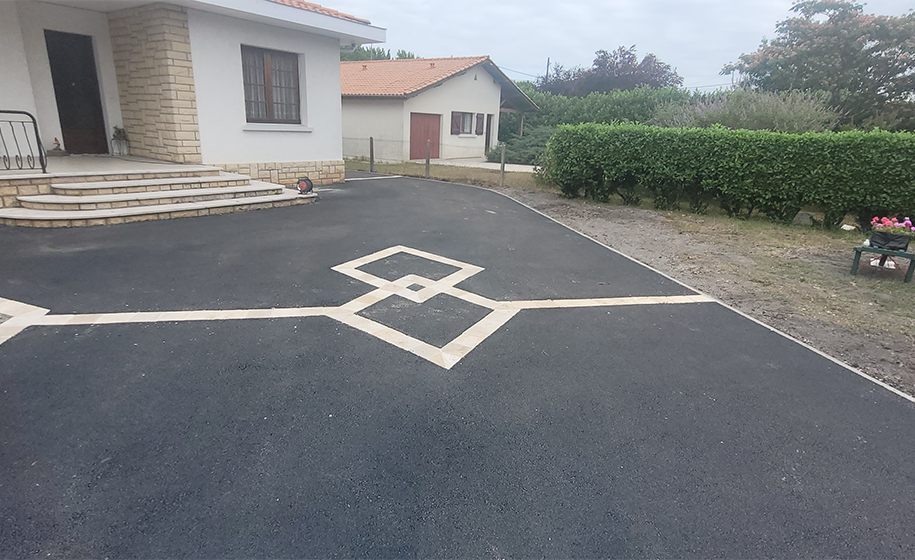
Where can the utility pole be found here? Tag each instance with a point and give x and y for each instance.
(546, 77)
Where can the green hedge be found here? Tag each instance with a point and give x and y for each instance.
(861, 173)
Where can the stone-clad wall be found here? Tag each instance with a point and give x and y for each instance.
(11, 188)
(152, 57)
(289, 172)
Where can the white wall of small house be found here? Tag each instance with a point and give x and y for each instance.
(381, 119)
(16, 93)
(225, 135)
(475, 91)
(34, 19)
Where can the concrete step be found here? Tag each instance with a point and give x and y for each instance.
(29, 217)
(149, 185)
(164, 171)
(146, 198)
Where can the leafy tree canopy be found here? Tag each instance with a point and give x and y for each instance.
(366, 53)
(614, 70)
(866, 63)
(374, 53)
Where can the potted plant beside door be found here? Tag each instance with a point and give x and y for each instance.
(120, 144)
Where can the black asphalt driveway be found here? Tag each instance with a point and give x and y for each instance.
(648, 430)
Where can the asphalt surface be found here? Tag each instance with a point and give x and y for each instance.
(657, 430)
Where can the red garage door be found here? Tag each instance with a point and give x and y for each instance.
(424, 126)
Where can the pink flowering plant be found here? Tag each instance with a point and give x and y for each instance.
(893, 225)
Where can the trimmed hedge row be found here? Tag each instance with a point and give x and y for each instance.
(860, 173)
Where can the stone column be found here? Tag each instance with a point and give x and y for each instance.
(152, 57)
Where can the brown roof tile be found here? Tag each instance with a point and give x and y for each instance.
(400, 77)
(318, 9)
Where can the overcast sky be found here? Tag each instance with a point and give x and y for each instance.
(697, 37)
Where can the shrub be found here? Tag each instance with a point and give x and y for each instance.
(627, 187)
(862, 173)
(524, 150)
(573, 161)
(637, 106)
(791, 111)
(898, 116)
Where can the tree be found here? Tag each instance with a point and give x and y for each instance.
(865, 63)
(363, 53)
(614, 70)
(374, 53)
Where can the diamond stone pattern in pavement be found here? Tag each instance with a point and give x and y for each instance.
(437, 321)
(402, 264)
(415, 288)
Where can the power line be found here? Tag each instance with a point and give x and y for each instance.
(712, 85)
(518, 72)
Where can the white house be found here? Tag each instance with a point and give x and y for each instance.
(238, 86)
(453, 103)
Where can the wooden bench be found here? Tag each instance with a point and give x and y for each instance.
(885, 254)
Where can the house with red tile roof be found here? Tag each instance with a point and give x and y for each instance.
(249, 86)
(448, 106)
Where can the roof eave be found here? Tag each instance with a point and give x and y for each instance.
(519, 101)
(372, 96)
(279, 15)
(416, 92)
(461, 72)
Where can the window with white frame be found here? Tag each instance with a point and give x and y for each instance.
(461, 123)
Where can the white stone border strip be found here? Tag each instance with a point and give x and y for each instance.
(445, 357)
(743, 314)
(371, 178)
(21, 315)
(24, 315)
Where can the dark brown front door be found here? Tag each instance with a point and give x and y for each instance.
(424, 126)
(488, 134)
(79, 104)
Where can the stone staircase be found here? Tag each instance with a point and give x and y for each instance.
(117, 197)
